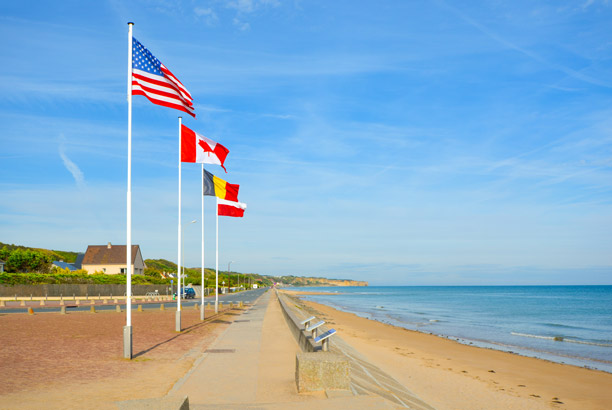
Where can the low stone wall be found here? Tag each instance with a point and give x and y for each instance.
(304, 341)
(79, 290)
(314, 370)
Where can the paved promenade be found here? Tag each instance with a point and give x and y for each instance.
(252, 366)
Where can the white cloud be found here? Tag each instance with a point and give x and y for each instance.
(243, 6)
(76, 172)
(241, 25)
(208, 14)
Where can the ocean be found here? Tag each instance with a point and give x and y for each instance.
(565, 324)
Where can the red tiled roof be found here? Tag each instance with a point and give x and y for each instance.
(103, 255)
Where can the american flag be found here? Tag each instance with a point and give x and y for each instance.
(153, 80)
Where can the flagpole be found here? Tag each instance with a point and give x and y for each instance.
(217, 262)
(178, 288)
(202, 305)
(127, 329)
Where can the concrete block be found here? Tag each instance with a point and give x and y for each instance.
(118, 308)
(316, 371)
(140, 308)
(92, 309)
(22, 303)
(42, 302)
(162, 307)
(162, 403)
(63, 310)
(2, 303)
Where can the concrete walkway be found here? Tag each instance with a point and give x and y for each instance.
(252, 366)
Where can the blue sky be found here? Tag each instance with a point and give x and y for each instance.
(400, 142)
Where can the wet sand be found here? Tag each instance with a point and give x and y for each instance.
(450, 375)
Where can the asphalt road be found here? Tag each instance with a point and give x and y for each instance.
(248, 296)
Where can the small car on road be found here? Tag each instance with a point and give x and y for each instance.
(188, 293)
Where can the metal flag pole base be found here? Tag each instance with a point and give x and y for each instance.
(127, 342)
(202, 311)
(178, 321)
(216, 307)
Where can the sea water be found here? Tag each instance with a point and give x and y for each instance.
(565, 324)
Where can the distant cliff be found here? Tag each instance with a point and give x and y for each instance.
(304, 281)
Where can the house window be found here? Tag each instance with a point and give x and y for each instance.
(123, 271)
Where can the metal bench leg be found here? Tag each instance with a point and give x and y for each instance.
(325, 345)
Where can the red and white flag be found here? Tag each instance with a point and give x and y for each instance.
(198, 148)
(230, 208)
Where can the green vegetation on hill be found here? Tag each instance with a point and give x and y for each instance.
(65, 276)
(25, 265)
(49, 255)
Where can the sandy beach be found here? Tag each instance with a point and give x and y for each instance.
(450, 375)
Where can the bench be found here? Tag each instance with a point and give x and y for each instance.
(323, 338)
(314, 327)
(306, 322)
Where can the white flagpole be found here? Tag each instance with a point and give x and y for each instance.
(178, 288)
(217, 262)
(127, 330)
(202, 305)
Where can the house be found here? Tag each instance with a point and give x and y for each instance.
(111, 259)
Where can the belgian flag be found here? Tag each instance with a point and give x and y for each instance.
(215, 186)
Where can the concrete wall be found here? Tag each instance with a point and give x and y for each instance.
(314, 371)
(79, 290)
(304, 341)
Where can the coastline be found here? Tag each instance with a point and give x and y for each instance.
(450, 375)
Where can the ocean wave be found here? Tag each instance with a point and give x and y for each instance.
(561, 326)
(561, 339)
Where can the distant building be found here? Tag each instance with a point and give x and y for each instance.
(64, 265)
(1, 266)
(111, 259)
(79, 260)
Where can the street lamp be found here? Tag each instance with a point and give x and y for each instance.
(229, 272)
(183, 250)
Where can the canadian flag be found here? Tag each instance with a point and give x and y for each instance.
(198, 148)
(230, 208)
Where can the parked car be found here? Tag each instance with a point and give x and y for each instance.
(188, 293)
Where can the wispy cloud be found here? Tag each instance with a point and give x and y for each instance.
(576, 74)
(73, 168)
(207, 14)
(249, 6)
(242, 26)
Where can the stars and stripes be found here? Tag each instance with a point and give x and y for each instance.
(153, 80)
